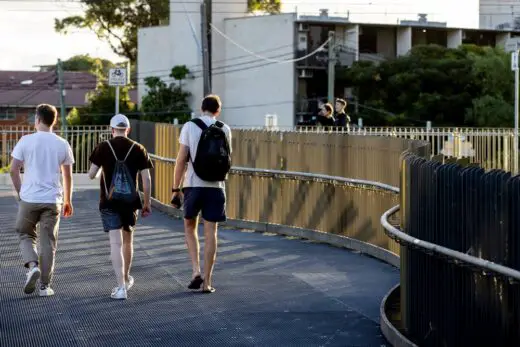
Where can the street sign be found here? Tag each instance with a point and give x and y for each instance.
(117, 77)
(514, 60)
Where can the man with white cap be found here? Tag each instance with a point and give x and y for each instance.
(120, 160)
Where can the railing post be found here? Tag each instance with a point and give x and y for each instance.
(4, 150)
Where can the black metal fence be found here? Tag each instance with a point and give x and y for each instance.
(445, 302)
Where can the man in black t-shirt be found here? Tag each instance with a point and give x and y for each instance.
(119, 218)
(342, 119)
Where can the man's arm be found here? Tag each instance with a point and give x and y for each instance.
(66, 171)
(147, 186)
(93, 172)
(16, 178)
(180, 166)
(230, 142)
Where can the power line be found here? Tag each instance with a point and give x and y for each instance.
(225, 60)
(167, 72)
(88, 86)
(321, 3)
(87, 83)
(267, 58)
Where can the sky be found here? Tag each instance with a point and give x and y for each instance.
(28, 39)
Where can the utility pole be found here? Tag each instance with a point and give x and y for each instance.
(117, 100)
(128, 71)
(59, 69)
(515, 68)
(205, 47)
(332, 66)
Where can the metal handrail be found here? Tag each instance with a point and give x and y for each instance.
(434, 248)
(296, 174)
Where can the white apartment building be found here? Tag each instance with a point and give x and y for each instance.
(256, 60)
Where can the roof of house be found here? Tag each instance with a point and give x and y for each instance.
(31, 88)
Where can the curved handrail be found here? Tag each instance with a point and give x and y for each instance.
(272, 173)
(434, 248)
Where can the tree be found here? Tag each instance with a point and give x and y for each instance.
(85, 62)
(450, 87)
(118, 21)
(164, 102)
(74, 118)
(179, 73)
(101, 105)
(490, 111)
(269, 6)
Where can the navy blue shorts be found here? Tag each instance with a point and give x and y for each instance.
(116, 220)
(210, 202)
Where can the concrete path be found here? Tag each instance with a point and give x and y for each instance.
(271, 290)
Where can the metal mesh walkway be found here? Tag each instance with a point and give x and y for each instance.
(271, 290)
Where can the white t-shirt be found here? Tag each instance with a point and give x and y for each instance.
(190, 136)
(42, 153)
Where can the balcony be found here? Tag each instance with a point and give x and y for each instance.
(317, 61)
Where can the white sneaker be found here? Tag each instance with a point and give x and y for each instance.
(46, 290)
(119, 294)
(32, 276)
(130, 283)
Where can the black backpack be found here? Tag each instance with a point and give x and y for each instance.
(213, 158)
(122, 188)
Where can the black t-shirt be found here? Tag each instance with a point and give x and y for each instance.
(342, 119)
(325, 121)
(103, 157)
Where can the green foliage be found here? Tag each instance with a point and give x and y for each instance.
(468, 86)
(101, 105)
(165, 102)
(490, 111)
(269, 6)
(86, 63)
(6, 169)
(117, 21)
(74, 118)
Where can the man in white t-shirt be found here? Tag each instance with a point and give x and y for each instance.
(207, 197)
(46, 158)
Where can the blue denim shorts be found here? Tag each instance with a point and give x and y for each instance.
(209, 202)
(116, 220)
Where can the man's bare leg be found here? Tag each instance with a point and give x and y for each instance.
(116, 254)
(192, 242)
(210, 253)
(128, 252)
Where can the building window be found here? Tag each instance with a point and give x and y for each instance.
(7, 114)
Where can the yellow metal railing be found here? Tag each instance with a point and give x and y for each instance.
(491, 148)
(335, 205)
(82, 139)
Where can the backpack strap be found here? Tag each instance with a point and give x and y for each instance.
(130, 150)
(112, 148)
(219, 124)
(200, 123)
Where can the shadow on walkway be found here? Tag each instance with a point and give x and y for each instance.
(271, 290)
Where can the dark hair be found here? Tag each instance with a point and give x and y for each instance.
(211, 104)
(47, 114)
(328, 107)
(341, 101)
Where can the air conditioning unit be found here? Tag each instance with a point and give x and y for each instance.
(303, 27)
(305, 74)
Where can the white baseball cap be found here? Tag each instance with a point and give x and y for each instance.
(119, 121)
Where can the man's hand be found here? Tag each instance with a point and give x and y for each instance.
(147, 210)
(68, 210)
(177, 200)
